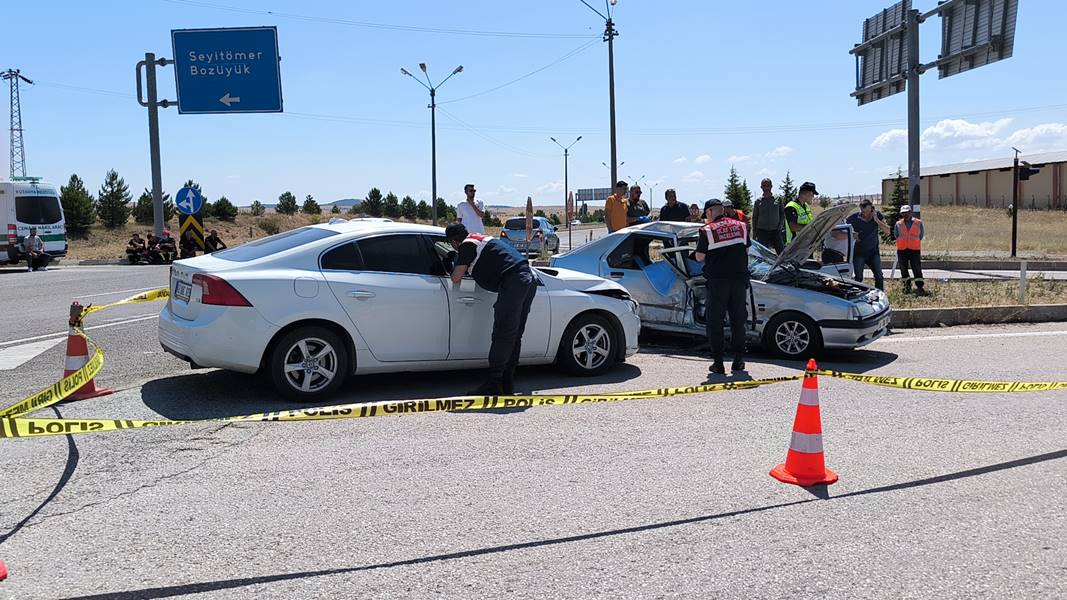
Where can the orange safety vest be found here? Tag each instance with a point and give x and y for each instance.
(908, 237)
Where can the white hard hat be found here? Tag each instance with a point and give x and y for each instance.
(905, 208)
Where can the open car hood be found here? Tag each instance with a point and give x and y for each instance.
(809, 238)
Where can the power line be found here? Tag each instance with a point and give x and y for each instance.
(491, 139)
(385, 26)
(574, 52)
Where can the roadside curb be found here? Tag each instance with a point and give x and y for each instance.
(985, 265)
(978, 315)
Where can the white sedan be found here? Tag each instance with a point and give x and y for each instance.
(313, 305)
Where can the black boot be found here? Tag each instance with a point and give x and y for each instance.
(717, 367)
(493, 385)
(738, 364)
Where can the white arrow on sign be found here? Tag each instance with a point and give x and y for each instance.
(186, 202)
(228, 99)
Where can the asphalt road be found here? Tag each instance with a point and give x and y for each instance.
(941, 495)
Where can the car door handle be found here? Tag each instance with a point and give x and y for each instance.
(617, 274)
(361, 294)
(467, 300)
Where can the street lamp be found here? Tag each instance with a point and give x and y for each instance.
(609, 36)
(613, 173)
(566, 188)
(433, 126)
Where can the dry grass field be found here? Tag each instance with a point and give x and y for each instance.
(978, 293)
(988, 231)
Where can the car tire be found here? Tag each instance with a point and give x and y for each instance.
(325, 361)
(793, 335)
(589, 346)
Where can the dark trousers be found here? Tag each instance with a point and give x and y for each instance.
(513, 300)
(871, 259)
(726, 296)
(38, 261)
(771, 238)
(911, 259)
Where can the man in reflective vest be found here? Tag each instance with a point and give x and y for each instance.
(909, 232)
(723, 248)
(798, 212)
(497, 267)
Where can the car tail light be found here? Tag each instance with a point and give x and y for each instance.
(504, 233)
(12, 235)
(218, 291)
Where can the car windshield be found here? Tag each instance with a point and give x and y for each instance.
(520, 223)
(274, 244)
(37, 210)
(760, 260)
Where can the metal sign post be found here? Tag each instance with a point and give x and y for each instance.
(153, 104)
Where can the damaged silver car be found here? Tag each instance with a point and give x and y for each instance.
(797, 306)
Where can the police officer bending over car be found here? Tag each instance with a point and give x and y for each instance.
(497, 267)
(723, 248)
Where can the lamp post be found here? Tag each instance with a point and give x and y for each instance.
(610, 33)
(566, 188)
(433, 127)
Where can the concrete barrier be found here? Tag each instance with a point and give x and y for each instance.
(978, 315)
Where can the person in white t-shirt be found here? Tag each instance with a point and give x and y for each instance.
(471, 211)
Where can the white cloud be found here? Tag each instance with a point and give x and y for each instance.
(889, 139)
(552, 186)
(694, 177)
(505, 190)
(703, 158)
(780, 152)
(1047, 136)
(962, 134)
(680, 160)
(737, 159)
(765, 172)
(519, 175)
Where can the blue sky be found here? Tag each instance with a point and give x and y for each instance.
(700, 86)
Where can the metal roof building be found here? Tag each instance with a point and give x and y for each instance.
(987, 183)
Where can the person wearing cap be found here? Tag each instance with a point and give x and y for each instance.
(694, 214)
(36, 258)
(768, 218)
(672, 210)
(732, 211)
(616, 208)
(909, 232)
(497, 267)
(867, 228)
(798, 212)
(723, 248)
(637, 210)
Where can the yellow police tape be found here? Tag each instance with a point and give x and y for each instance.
(14, 423)
(63, 388)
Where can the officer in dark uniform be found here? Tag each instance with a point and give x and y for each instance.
(497, 267)
(723, 248)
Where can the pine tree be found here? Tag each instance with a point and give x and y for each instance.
(423, 213)
(745, 199)
(113, 207)
(891, 211)
(788, 190)
(143, 211)
(540, 213)
(733, 191)
(224, 210)
(336, 210)
(408, 209)
(78, 210)
(257, 209)
(391, 206)
(310, 206)
(445, 212)
(372, 205)
(286, 204)
(554, 219)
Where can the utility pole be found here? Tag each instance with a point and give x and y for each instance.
(153, 104)
(1014, 201)
(914, 70)
(433, 128)
(18, 151)
(566, 187)
(610, 33)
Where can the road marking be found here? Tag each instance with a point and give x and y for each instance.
(63, 333)
(15, 356)
(117, 293)
(971, 336)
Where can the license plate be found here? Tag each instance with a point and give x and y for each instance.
(182, 291)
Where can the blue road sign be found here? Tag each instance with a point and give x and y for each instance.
(232, 70)
(188, 201)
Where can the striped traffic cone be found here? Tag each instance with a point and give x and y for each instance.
(804, 464)
(78, 356)
(3, 571)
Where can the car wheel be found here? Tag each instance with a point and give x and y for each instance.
(588, 346)
(308, 364)
(793, 335)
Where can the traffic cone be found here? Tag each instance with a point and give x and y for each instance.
(78, 356)
(3, 571)
(804, 464)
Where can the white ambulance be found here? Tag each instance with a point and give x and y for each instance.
(27, 202)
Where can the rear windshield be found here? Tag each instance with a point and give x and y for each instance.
(274, 244)
(519, 223)
(38, 210)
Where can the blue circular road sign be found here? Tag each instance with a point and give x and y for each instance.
(188, 201)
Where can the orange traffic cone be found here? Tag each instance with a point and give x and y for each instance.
(78, 356)
(804, 464)
(3, 571)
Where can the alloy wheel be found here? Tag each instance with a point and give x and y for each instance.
(310, 364)
(792, 337)
(591, 346)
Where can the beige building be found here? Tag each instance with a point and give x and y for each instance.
(987, 183)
